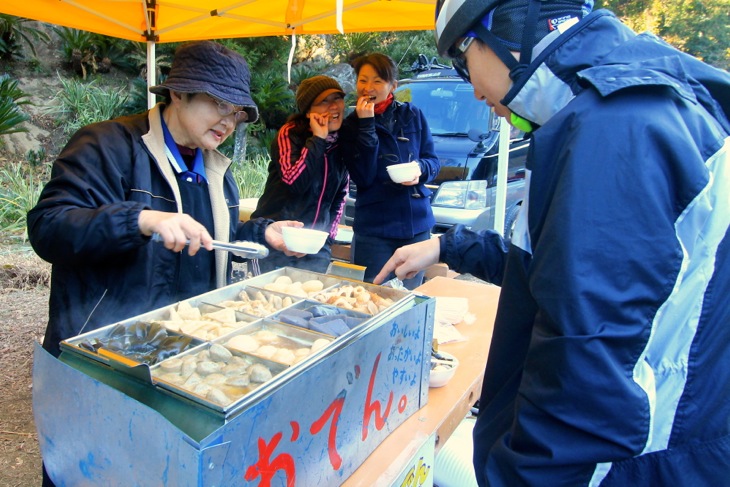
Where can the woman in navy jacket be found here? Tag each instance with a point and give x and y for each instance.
(382, 132)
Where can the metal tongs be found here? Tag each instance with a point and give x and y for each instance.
(241, 248)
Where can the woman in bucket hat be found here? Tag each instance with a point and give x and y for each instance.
(382, 132)
(610, 358)
(116, 183)
(307, 179)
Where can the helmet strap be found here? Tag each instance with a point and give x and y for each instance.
(516, 68)
(502, 51)
(528, 31)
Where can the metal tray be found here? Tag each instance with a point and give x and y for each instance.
(269, 279)
(318, 317)
(131, 343)
(346, 294)
(275, 301)
(204, 321)
(271, 340)
(225, 376)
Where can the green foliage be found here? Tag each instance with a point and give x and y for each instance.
(20, 188)
(13, 30)
(271, 93)
(346, 47)
(137, 97)
(73, 40)
(404, 48)
(251, 174)
(90, 53)
(11, 97)
(11, 117)
(112, 51)
(700, 28)
(303, 71)
(36, 158)
(261, 145)
(164, 53)
(80, 103)
(261, 53)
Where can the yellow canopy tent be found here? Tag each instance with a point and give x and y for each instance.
(182, 20)
(154, 21)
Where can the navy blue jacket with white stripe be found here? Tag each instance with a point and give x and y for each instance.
(610, 360)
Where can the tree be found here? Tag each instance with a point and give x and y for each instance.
(699, 28)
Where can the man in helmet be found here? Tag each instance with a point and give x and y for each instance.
(610, 359)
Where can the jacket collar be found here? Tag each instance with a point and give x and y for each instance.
(601, 53)
(553, 79)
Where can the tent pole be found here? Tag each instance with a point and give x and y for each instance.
(151, 72)
(502, 163)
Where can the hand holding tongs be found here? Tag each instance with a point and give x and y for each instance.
(249, 250)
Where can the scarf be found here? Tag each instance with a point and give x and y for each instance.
(383, 105)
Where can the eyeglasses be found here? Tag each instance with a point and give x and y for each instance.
(335, 98)
(458, 58)
(225, 109)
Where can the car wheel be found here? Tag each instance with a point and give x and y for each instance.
(510, 219)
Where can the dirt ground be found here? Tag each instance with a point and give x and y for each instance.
(23, 311)
(24, 281)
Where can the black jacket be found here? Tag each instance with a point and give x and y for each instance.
(307, 179)
(86, 225)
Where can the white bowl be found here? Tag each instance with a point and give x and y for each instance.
(304, 240)
(441, 373)
(401, 173)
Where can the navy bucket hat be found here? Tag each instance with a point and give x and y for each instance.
(209, 67)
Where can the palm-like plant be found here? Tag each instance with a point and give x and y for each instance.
(271, 93)
(16, 29)
(11, 97)
(78, 49)
(355, 44)
(301, 72)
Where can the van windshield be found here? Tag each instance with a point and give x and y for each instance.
(449, 108)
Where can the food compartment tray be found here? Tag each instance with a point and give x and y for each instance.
(131, 343)
(322, 318)
(360, 297)
(293, 281)
(276, 341)
(215, 376)
(204, 321)
(255, 303)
